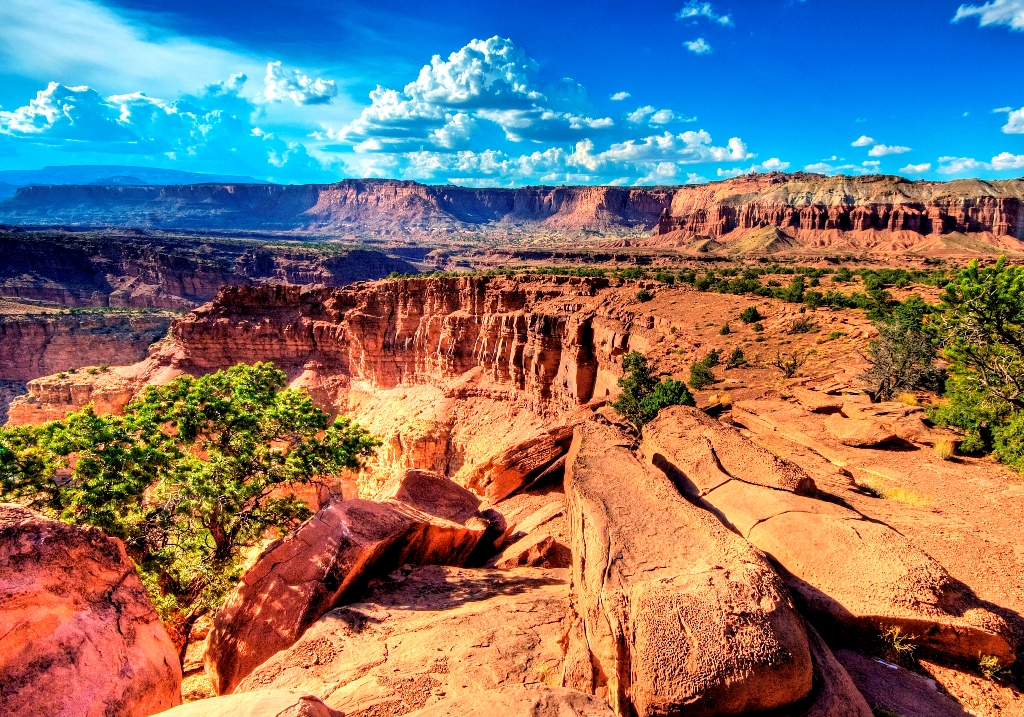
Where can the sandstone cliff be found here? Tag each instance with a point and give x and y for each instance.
(814, 211)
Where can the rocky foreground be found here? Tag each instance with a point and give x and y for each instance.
(516, 549)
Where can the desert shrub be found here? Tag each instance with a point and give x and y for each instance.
(908, 399)
(750, 315)
(632, 273)
(991, 668)
(644, 295)
(842, 275)
(701, 375)
(736, 358)
(814, 299)
(945, 448)
(902, 357)
(188, 476)
(1008, 442)
(665, 278)
(789, 364)
(712, 358)
(833, 335)
(794, 293)
(802, 325)
(758, 327)
(643, 395)
(725, 330)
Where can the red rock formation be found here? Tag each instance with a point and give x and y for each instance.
(78, 634)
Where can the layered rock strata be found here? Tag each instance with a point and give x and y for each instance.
(78, 634)
(329, 560)
(848, 571)
(680, 614)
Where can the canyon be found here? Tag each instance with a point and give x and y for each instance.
(806, 213)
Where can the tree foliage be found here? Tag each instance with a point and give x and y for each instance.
(902, 358)
(643, 395)
(188, 476)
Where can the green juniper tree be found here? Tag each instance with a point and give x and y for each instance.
(643, 395)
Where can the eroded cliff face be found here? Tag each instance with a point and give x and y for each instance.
(818, 210)
(451, 373)
(813, 210)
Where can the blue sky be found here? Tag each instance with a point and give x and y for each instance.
(509, 94)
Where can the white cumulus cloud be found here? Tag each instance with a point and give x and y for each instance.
(829, 168)
(960, 165)
(619, 96)
(697, 10)
(916, 168)
(884, 150)
(1014, 120)
(297, 87)
(699, 46)
(996, 12)
(769, 165)
(862, 141)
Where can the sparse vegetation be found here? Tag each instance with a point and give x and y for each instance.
(701, 375)
(736, 358)
(644, 295)
(642, 395)
(802, 325)
(945, 448)
(758, 327)
(725, 330)
(990, 667)
(901, 645)
(906, 496)
(789, 363)
(750, 315)
(902, 357)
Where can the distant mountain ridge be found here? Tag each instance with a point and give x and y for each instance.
(113, 174)
(810, 211)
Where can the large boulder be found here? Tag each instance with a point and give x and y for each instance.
(78, 634)
(519, 465)
(540, 539)
(680, 614)
(326, 562)
(849, 572)
(859, 432)
(726, 456)
(520, 701)
(264, 703)
(429, 634)
(431, 493)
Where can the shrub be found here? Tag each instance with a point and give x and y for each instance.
(802, 325)
(750, 315)
(945, 448)
(758, 327)
(991, 668)
(642, 395)
(842, 275)
(814, 299)
(736, 359)
(833, 335)
(644, 295)
(665, 278)
(701, 375)
(789, 364)
(712, 358)
(907, 399)
(1008, 442)
(902, 357)
(725, 330)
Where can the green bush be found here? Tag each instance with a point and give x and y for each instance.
(725, 330)
(758, 327)
(701, 375)
(750, 315)
(736, 359)
(644, 295)
(642, 395)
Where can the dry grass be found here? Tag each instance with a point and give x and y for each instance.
(945, 448)
(907, 398)
(906, 496)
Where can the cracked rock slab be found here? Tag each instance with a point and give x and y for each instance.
(427, 635)
(681, 615)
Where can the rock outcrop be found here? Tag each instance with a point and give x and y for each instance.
(79, 635)
(428, 635)
(679, 613)
(848, 571)
(329, 560)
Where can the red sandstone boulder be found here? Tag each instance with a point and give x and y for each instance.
(431, 493)
(848, 571)
(519, 465)
(858, 432)
(680, 614)
(326, 562)
(540, 539)
(78, 634)
(264, 703)
(520, 701)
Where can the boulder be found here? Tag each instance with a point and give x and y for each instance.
(540, 539)
(858, 432)
(817, 401)
(520, 701)
(428, 634)
(849, 572)
(779, 418)
(519, 465)
(264, 703)
(326, 562)
(724, 454)
(78, 634)
(680, 614)
(431, 493)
